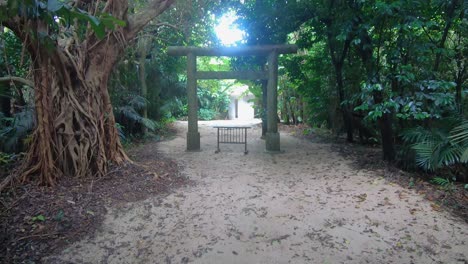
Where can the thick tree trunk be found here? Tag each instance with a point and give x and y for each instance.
(338, 58)
(143, 51)
(76, 133)
(347, 115)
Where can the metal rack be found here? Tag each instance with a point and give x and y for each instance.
(232, 135)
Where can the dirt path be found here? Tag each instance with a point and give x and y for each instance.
(306, 205)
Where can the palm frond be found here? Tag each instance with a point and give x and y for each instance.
(424, 154)
(464, 156)
(418, 134)
(460, 133)
(448, 155)
(16, 129)
(434, 148)
(149, 124)
(440, 181)
(129, 113)
(138, 102)
(459, 136)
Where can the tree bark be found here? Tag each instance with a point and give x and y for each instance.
(76, 133)
(143, 51)
(338, 58)
(385, 123)
(450, 11)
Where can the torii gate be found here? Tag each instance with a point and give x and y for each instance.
(272, 51)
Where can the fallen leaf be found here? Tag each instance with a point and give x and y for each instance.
(362, 197)
(155, 176)
(436, 207)
(402, 195)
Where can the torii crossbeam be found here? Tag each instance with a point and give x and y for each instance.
(271, 51)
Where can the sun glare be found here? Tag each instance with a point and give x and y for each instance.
(228, 33)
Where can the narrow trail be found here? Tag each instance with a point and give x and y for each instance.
(306, 205)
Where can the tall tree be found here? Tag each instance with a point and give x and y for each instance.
(268, 22)
(73, 48)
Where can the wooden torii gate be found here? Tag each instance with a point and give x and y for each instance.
(272, 51)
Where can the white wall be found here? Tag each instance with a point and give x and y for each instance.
(245, 108)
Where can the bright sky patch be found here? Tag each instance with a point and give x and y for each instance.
(228, 33)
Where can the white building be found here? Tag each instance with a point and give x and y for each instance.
(241, 105)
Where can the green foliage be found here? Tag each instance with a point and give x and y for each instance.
(440, 181)
(129, 114)
(308, 76)
(6, 158)
(212, 104)
(206, 114)
(445, 183)
(15, 130)
(175, 108)
(13, 61)
(437, 147)
(38, 217)
(459, 135)
(58, 14)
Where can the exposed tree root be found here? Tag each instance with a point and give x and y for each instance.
(76, 134)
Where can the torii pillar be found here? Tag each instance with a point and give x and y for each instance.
(272, 51)
(193, 136)
(272, 135)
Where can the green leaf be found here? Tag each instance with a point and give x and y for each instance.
(460, 133)
(464, 156)
(59, 215)
(96, 25)
(110, 21)
(440, 181)
(38, 218)
(54, 5)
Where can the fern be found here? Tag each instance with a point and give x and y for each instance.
(441, 181)
(438, 147)
(138, 102)
(464, 156)
(148, 123)
(130, 113)
(15, 129)
(418, 134)
(460, 136)
(460, 133)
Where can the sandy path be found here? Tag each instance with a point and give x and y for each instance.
(305, 205)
